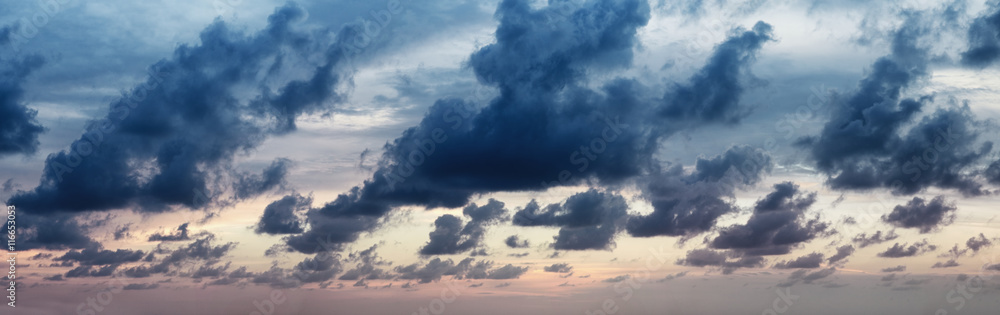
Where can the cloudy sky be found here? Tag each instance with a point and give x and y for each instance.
(490, 157)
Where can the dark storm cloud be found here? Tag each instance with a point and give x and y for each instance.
(808, 261)
(558, 268)
(171, 140)
(515, 241)
(868, 142)
(18, 128)
(280, 216)
(98, 256)
(984, 40)
(533, 61)
(842, 253)
(777, 225)
(906, 250)
(925, 216)
(451, 237)
(864, 240)
(689, 204)
(180, 235)
(587, 220)
(993, 173)
(548, 126)
(185, 120)
(52, 232)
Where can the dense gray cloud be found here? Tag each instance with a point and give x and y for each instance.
(899, 268)
(993, 173)
(186, 120)
(53, 232)
(450, 237)
(984, 40)
(713, 94)
(587, 220)
(875, 138)
(19, 129)
(281, 216)
(925, 216)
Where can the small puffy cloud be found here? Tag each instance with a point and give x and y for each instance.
(587, 220)
(864, 240)
(558, 268)
(842, 253)
(450, 236)
(98, 256)
(948, 264)
(515, 241)
(180, 235)
(281, 216)
(808, 261)
(925, 216)
(905, 250)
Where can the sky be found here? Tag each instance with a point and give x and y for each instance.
(496, 157)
